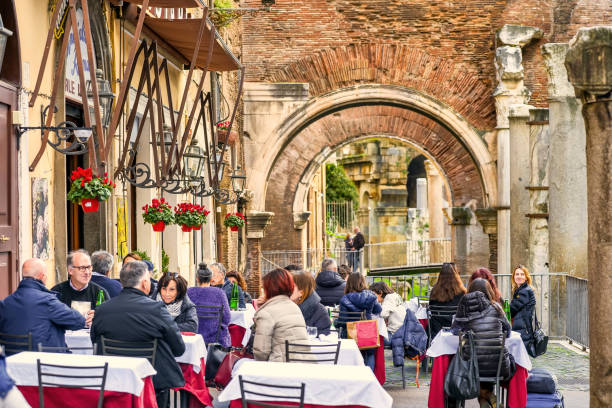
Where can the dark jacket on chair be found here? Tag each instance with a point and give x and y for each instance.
(364, 301)
(133, 316)
(315, 313)
(522, 307)
(33, 308)
(410, 337)
(476, 313)
(330, 287)
(438, 322)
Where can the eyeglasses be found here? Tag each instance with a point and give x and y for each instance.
(83, 268)
(172, 274)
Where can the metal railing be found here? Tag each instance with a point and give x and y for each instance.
(408, 253)
(309, 259)
(340, 214)
(577, 311)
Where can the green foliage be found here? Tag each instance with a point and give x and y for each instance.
(223, 18)
(338, 186)
(165, 262)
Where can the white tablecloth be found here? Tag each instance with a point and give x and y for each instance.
(125, 374)
(335, 385)
(243, 318)
(195, 349)
(447, 343)
(416, 308)
(382, 326)
(349, 352)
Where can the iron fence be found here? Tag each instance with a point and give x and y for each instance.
(578, 311)
(408, 253)
(310, 259)
(340, 214)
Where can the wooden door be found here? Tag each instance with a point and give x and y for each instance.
(9, 233)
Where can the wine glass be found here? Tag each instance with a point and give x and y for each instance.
(312, 332)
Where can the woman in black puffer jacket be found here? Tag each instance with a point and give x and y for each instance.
(479, 313)
(309, 302)
(523, 303)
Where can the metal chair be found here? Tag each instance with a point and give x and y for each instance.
(285, 398)
(48, 372)
(146, 349)
(344, 317)
(206, 312)
(49, 349)
(330, 352)
(15, 343)
(436, 312)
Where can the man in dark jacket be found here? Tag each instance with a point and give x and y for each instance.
(132, 316)
(220, 280)
(330, 286)
(33, 308)
(102, 263)
(358, 244)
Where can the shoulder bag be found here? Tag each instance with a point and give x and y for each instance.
(462, 381)
(537, 344)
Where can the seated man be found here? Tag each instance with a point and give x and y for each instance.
(220, 280)
(132, 316)
(102, 263)
(78, 291)
(33, 308)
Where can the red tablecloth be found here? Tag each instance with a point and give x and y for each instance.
(424, 323)
(196, 386)
(236, 334)
(517, 388)
(379, 362)
(238, 404)
(77, 397)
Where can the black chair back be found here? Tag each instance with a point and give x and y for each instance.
(437, 312)
(344, 316)
(146, 349)
(54, 375)
(215, 312)
(312, 353)
(286, 396)
(49, 349)
(16, 343)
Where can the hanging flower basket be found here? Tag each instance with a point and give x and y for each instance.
(199, 227)
(234, 221)
(224, 135)
(88, 190)
(185, 228)
(190, 216)
(158, 214)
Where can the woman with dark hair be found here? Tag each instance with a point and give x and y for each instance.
(309, 302)
(447, 291)
(206, 295)
(479, 312)
(486, 274)
(173, 293)
(236, 277)
(393, 309)
(522, 305)
(358, 298)
(278, 319)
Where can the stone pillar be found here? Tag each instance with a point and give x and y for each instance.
(435, 202)
(487, 217)
(257, 221)
(567, 209)
(589, 67)
(510, 91)
(421, 188)
(461, 218)
(519, 180)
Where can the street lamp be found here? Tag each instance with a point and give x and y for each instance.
(221, 165)
(238, 180)
(106, 98)
(4, 35)
(193, 160)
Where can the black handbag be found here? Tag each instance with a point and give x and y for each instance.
(537, 344)
(462, 381)
(214, 357)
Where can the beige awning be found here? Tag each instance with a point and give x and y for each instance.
(181, 35)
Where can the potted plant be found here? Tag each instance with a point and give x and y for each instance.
(158, 214)
(88, 190)
(203, 212)
(189, 216)
(223, 135)
(234, 221)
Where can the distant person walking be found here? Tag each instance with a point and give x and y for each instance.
(358, 244)
(348, 248)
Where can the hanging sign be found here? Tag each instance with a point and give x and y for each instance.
(72, 83)
(61, 21)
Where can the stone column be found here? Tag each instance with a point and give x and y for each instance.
(461, 218)
(435, 202)
(567, 207)
(257, 221)
(510, 91)
(589, 67)
(421, 189)
(487, 217)
(519, 180)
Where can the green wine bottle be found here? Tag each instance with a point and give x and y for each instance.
(507, 309)
(234, 297)
(101, 298)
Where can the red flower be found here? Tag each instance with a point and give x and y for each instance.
(82, 183)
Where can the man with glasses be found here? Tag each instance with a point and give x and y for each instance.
(79, 292)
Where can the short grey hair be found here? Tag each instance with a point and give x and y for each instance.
(132, 273)
(219, 266)
(329, 264)
(102, 262)
(71, 255)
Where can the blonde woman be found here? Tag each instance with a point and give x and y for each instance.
(523, 303)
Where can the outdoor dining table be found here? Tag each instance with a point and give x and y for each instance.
(240, 325)
(192, 362)
(444, 347)
(337, 386)
(128, 382)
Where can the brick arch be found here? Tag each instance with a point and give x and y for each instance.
(396, 64)
(291, 169)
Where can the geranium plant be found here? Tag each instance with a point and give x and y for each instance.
(190, 216)
(88, 190)
(159, 214)
(234, 221)
(223, 125)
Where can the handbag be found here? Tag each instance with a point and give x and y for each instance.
(224, 373)
(537, 344)
(214, 357)
(365, 333)
(462, 381)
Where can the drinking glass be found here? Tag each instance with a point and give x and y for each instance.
(312, 332)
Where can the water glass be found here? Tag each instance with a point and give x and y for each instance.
(312, 332)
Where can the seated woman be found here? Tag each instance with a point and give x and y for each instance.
(477, 311)
(236, 277)
(393, 309)
(173, 293)
(206, 295)
(309, 302)
(523, 303)
(486, 274)
(277, 319)
(358, 298)
(447, 291)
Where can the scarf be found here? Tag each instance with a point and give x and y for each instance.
(173, 308)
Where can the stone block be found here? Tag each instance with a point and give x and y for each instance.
(517, 35)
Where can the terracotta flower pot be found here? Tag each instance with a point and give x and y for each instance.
(185, 228)
(227, 138)
(159, 226)
(199, 227)
(90, 205)
(234, 228)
